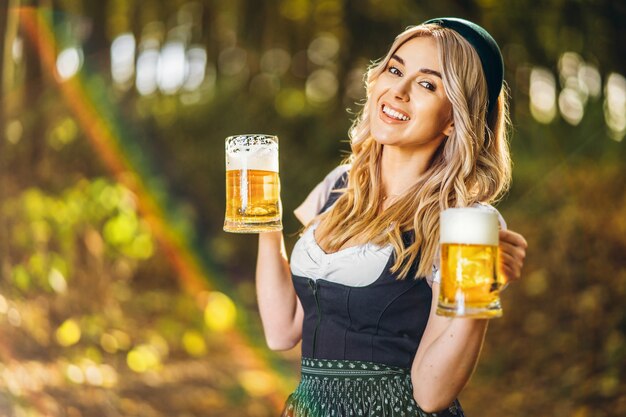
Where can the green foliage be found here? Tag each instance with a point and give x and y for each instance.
(46, 230)
(77, 300)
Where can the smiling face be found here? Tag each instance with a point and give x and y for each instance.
(408, 106)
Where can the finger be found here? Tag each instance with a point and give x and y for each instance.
(511, 268)
(516, 252)
(509, 275)
(507, 259)
(513, 238)
(511, 265)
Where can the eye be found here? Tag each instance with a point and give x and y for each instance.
(395, 71)
(428, 85)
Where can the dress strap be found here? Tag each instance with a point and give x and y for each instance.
(341, 182)
(408, 237)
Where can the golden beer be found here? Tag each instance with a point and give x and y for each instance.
(252, 184)
(470, 284)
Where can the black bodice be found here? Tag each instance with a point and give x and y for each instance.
(382, 322)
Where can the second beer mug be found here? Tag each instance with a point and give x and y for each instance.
(252, 184)
(470, 283)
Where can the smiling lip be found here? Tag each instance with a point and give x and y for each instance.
(390, 114)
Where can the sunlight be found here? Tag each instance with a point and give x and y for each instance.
(321, 86)
(196, 67)
(171, 67)
(4, 306)
(123, 59)
(323, 49)
(275, 61)
(542, 95)
(147, 61)
(615, 106)
(74, 374)
(220, 312)
(194, 343)
(68, 333)
(589, 76)
(143, 358)
(257, 383)
(571, 106)
(57, 281)
(69, 62)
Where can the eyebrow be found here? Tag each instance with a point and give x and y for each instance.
(422, 70)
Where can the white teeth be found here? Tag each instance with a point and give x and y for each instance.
(392, 113)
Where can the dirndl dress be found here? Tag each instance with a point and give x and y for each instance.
(358, 341)
(345, 388)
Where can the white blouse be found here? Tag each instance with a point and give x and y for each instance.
(355, 266)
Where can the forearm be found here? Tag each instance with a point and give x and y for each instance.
(276, 295)
(448, 363)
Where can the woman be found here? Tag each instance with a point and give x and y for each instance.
(362, 288)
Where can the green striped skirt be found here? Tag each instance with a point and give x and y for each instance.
(343, 388)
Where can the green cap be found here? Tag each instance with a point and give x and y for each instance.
(487, 49)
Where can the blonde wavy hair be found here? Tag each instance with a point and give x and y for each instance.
(472, 165)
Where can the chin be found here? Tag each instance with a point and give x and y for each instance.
(384, 138)
(386, 141)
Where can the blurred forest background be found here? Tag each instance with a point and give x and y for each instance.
(121, 296)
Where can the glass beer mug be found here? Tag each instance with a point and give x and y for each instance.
(252, 184)
(470, 283)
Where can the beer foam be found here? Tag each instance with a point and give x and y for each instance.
(472, 225)
(252, 152)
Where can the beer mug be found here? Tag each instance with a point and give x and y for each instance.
(252, 184)
(470, 283)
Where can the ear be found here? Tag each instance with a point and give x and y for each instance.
(449, 129)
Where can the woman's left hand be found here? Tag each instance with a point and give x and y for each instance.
(512, 254)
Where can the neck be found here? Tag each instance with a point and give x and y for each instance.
(400, 170)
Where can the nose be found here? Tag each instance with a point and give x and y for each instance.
(401, 89)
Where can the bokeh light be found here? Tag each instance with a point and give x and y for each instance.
(4, 306)
(321, 86)
(196, 67)
(542, 95)
(17, 49)
(194, 343)
(68, 333)
(123, 50)
(109, 343)
(323, 49)
(143, 358)
(171, 67)
(275, 61)
(220, 312)
(615, 105)
(69, 62)
(57, 281)
(75, 374)
(147, 62)
(14, 131)
(569, 64)
(257, 383)
(571, 106)
(64, 133)
(589, 76)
